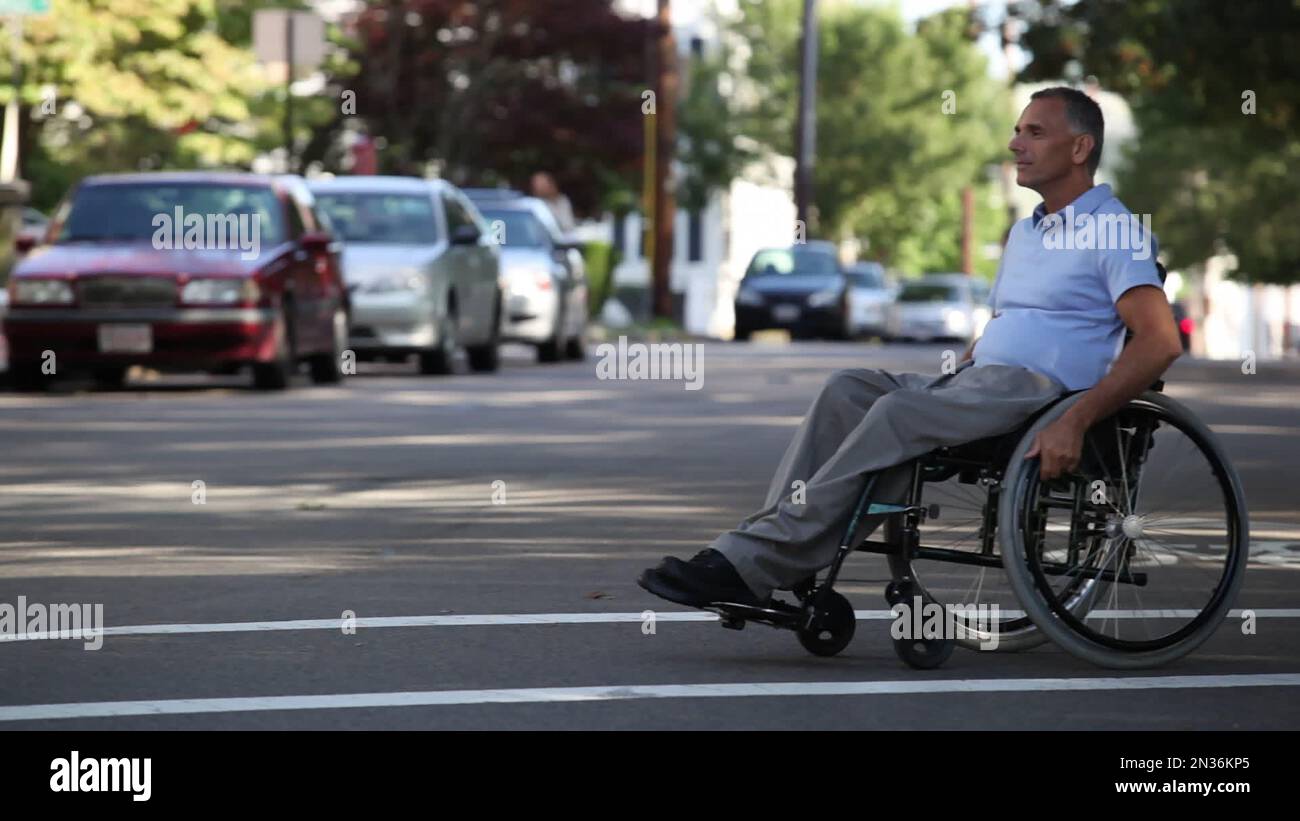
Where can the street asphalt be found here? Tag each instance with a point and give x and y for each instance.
(530, 499)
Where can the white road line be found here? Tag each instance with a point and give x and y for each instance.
(492, 620)
(533, 695)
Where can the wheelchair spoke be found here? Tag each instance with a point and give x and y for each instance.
(1105, 472)
(1164, 546)
(1123, 468)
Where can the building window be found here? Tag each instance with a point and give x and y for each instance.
(694, 237)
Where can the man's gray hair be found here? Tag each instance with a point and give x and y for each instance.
(1084, 116)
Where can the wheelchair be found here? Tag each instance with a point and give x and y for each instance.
(1131, 561)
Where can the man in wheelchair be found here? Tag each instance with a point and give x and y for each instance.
(1061, 311)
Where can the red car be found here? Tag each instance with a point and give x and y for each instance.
(180, 271)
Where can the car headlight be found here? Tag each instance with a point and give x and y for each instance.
(957, 321)
(407, 281)
(41, 292)
(529, 277)
(821, 299)
(748, 297)
(219, 291)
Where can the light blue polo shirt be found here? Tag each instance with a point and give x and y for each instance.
(1054, 297)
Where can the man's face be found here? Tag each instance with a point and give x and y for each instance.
(1043, 146)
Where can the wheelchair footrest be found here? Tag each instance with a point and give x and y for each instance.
(876, 509)
(780, 614)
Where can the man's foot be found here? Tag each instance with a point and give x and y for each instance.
(706, 579)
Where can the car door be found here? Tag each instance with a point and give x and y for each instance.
(570, 273)
(328, 289)
(303, 284)
(487, 263)
(472, 272)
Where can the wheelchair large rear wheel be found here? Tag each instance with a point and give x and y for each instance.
(1153, 519)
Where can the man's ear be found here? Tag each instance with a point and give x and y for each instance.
(1083, 145)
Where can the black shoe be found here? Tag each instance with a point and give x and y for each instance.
(708, 578)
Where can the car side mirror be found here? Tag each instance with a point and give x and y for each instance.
(24, 243)
(465, 235)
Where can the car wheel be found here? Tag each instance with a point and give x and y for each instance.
(551, 349)
(27, 377)
(577, 347)
(275, 375)
(109, 377)
(441, 360)
(486, 358)
(327, 368)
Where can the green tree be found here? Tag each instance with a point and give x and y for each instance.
(905, 121)
(136, 84)
(709, 130)
(492, 90)
(1215, 91)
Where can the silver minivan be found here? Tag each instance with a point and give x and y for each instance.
(422, 272)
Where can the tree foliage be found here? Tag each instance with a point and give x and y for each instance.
(136, 84)
(491, 91)
(905, 121)
(1211, 174)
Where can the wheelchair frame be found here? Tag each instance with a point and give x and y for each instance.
(825, 621)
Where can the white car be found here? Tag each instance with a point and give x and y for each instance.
(422, 273)
(542, 275)
(33, 224)
(870, 295)
(940, 307)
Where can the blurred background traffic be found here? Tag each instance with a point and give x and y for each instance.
(432, 178)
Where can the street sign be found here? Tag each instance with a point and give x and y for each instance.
(24, 6)
(269, 38)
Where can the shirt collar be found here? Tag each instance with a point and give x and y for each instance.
(1085, 203)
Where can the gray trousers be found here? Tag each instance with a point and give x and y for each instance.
(867, 421)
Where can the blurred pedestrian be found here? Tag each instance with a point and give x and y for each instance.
(544, 188)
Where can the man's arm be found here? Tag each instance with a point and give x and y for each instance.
(1154, 346)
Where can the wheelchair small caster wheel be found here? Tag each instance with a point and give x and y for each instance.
(733, 623)
(899, 592)
(924, 654)
(833, 628)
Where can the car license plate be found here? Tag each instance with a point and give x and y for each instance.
(785, 313)
(125, 339)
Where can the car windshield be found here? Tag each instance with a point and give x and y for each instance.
(515, 229)
(380, 218)
(929, 292)
(796, 262)
(139, 211)
(866, 278)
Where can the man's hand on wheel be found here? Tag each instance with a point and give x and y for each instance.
(1058, 446)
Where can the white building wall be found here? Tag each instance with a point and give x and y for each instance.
(1238, 318)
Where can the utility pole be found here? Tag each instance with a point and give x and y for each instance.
(665, 141)
(288, 91)
(806, 127)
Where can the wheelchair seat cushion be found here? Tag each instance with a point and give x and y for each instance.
(994, 451)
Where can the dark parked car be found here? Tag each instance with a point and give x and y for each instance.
(180, 271)
(802, 289)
